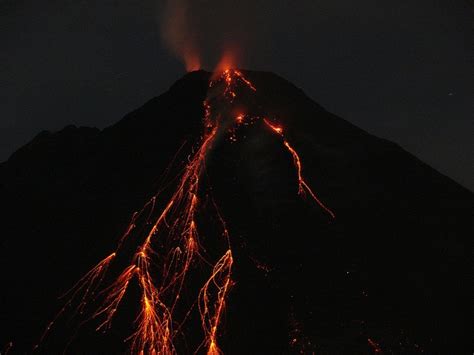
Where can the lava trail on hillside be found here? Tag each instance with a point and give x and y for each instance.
(162, 261)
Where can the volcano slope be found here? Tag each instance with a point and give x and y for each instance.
(390, 273)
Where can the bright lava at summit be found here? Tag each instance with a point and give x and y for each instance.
(171, 246)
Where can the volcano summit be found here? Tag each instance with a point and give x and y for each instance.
(249, 220)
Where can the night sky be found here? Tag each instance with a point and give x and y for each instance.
(402, 70)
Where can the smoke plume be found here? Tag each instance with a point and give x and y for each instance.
(207, 33)
(178, 34)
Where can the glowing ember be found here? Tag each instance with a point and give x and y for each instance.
(375, 346)
(161, 272)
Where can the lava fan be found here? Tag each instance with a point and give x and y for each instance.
(170, 263)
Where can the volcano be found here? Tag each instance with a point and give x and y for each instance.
(232, 214)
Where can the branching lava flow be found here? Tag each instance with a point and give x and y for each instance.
(171, 246)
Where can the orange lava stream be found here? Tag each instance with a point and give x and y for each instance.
(232, 78)
(154, 332)
(211, 312)
(161, 273)
(87, 284)
(302, 184)
(114, 295)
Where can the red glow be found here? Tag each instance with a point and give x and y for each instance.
(226, 62)
(192, 62)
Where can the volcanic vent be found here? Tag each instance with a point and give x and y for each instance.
(276, 228)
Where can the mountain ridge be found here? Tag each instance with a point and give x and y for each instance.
(389, 268)
(198, 76)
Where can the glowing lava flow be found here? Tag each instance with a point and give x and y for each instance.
(232, 78)
(161, 263)
(211, 317)
(302, 185)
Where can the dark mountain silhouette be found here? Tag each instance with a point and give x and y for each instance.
(393, 269)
